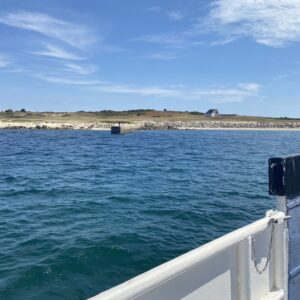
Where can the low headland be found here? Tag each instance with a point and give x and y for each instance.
(140, 120)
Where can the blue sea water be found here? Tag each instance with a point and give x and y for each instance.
(81, 211)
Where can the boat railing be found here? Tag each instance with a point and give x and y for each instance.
(248, 263)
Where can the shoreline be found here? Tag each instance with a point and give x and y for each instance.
(159, 125)
(243, 129)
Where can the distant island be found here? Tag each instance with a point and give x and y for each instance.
(144, 119)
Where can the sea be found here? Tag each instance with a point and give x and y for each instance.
(82, 211)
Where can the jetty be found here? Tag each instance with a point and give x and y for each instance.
(118, 129)
(260, 261)
(115, 129)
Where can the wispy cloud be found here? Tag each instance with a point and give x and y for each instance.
(250, 87)
(143, 91)
(76, 35)
(273, 23)
(215, 94)
(172, 40)
(153, 9)
(111, 49)
(238, 93)
(281, 77)
(162, 56)
(175, 15)
(81, 69)
(57, 52)
(63, 80)
(4, 61)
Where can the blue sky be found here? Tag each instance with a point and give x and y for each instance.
(241, 56)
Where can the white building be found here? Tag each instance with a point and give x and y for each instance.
(212, 113)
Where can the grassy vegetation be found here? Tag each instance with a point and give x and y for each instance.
(125, 116)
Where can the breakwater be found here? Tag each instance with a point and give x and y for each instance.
(181, 125)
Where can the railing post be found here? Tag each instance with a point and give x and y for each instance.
(244, 265)
(284, 182)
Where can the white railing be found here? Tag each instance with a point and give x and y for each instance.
(222, 269)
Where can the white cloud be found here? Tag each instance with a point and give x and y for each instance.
(172, 40)
(238, 93)
(64, 80)
(77, 36)
(4, 61)
(144, 91)
(251, 87)
(175, 15)
(274, 23)
(56, 52)
(216, 94)
(81, 69)
(270, 22)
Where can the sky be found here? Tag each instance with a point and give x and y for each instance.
(240, 56)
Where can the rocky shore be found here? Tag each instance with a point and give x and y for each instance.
(155, 125)
(220, 125)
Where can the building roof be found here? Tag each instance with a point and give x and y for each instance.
(210, 111)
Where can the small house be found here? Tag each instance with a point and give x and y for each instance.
(212, 113)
